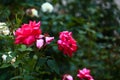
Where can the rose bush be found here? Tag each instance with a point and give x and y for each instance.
(90, 35)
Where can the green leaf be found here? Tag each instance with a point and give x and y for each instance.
(5, 65)
(53, 65)
(29, 49)
(42, 61)
(24, 48)
(16, 77)
(28, 77)
(99, 35)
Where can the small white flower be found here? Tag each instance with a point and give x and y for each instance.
(47, 7)
(4, 57)
(13, 60)
(6, 32)
(2, 24)
(32, 12)
(9, 53)
(4, 29)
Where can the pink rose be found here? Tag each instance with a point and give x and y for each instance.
(66, 43)
(67, 77)
(84, 74)
(28, 33)
(43, 40)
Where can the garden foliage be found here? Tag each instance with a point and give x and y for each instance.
(95, 28)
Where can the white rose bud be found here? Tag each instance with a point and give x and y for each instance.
(32, 12)
(2, 26)
(13, 60)
(4, 57)
(4, 29)
(47, 7)
(35, 12)
(9, 54)
(6, 32)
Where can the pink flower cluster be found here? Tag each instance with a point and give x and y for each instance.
(83, 74)
(30, 33)
(43, 40)
(67, 44)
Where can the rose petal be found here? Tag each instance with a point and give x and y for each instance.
(39, 43)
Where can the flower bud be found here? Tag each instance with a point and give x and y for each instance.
(6, 32)
(32, 12)
(9, 54)
(4, 57)
(43, 40)
(47, 7)
(67, 77)
(13, 60)
(4, 29)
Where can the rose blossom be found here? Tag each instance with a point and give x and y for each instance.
(66, 43)
(4, 28)
(43, 40)
(67, 77)
(13, 60)
(47, 7)
(84, 74)
(32, 12)
(28, 33)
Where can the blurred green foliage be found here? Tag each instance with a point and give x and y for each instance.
(95, 25)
